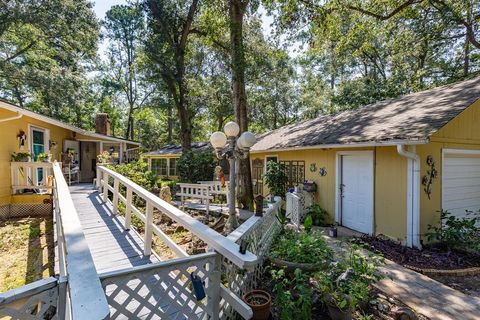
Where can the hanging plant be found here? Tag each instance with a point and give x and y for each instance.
(427, 179)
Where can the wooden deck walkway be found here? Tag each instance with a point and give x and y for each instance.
(112, 247)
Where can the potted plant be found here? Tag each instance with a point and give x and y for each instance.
(21, 157)
(303, 250)
(276, 179)
(260, 301)
(345, 285)
(104, 158)
(43, 157)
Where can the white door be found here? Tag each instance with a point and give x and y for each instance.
(356, 191)
(461, 181)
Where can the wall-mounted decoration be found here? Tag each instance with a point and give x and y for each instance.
(322, 171)
(427, 179)
(52, 144)
(22, 137)
(313, 167)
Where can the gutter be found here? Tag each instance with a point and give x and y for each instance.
(18, 116)
(385, 143)
(413, 195)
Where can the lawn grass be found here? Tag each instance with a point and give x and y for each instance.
(26, 251)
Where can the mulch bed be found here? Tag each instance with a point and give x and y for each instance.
(431, 257)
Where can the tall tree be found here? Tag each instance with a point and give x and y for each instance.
(170, 24)
(125, 30)
(236, 10)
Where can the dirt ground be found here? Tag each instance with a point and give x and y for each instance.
(26, 251)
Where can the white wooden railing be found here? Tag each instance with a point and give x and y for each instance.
(82, 296)
(25, 175)
(222, 248)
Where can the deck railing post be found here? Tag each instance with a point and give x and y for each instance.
(128, 209)
(213, 288)
(116, 185)
(148, 229)
(98, 178)
(105, 186)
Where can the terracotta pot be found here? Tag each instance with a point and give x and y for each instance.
(260, 301)
(339, 314)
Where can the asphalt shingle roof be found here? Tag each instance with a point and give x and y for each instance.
(411, 117)
(176, 149)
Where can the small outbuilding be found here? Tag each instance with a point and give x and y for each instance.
(390, 167)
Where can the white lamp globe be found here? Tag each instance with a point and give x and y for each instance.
(218, 140)
(231, 129)
(247, 140)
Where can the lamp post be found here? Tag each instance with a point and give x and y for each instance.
(229, 146)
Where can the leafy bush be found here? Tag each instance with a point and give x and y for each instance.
(318, 214)
(196, 166)
(138, 172)
(346, 282)
(459, 232)
(301, 247)
(276, 179)
(293, 297)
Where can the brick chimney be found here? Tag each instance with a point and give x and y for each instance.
(102, 124)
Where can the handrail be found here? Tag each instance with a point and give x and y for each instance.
(24, 175)
(86, 295)
(226, 247)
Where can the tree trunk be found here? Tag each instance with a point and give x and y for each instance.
(170, 124)
(183, 112)
(244, 178)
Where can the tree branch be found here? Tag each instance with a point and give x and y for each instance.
(381, 17)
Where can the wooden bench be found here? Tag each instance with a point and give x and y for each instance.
(195, 191)
(216, 188)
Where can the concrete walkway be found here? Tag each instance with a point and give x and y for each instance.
(427, 296)
(419, 292)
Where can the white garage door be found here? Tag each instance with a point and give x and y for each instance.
(356, 185)
(461, 181)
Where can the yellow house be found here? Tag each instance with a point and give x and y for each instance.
(390, 167)
(164, 160)
(24, 131)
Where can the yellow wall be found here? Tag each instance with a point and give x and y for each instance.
(390, 184)
(463, 132)
(9, 144)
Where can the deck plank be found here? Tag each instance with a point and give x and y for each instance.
(112, 246)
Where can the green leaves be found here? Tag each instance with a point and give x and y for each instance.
(275, 178)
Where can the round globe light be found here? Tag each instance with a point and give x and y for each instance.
(231, 129)
(247, 140)
(218, 140)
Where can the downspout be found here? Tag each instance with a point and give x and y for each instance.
(413, 195)
(18, 116)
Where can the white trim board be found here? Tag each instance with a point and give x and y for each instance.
(338, 179)
(60, 124)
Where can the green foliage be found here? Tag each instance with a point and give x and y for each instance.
(104, 157)
(301, 247)
(21, 156)
(196, 166)
(346, 282)
(42, 156)
(292, 297)
(282, 217)
(138, 172)
(275, 178)
(318, 214)
(456, 232)
(308, 223)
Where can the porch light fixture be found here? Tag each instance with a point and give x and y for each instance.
(231, 147)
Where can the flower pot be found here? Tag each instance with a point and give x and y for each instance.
(339, 314)
(260, 301)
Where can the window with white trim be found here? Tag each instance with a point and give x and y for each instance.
(159, 166)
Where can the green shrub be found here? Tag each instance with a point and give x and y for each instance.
(276, 179)
(293, 297)
(318, 214)
(301, 247)
(346, 282)
(456, 232)
(196, 166)
(138, 172)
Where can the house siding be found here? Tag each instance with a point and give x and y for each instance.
(389, 187)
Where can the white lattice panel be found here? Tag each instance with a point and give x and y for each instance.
(39, 306)
(161, 293)
(297, 206)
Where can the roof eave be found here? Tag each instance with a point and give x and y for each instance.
(348, 145)
(60, 124)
